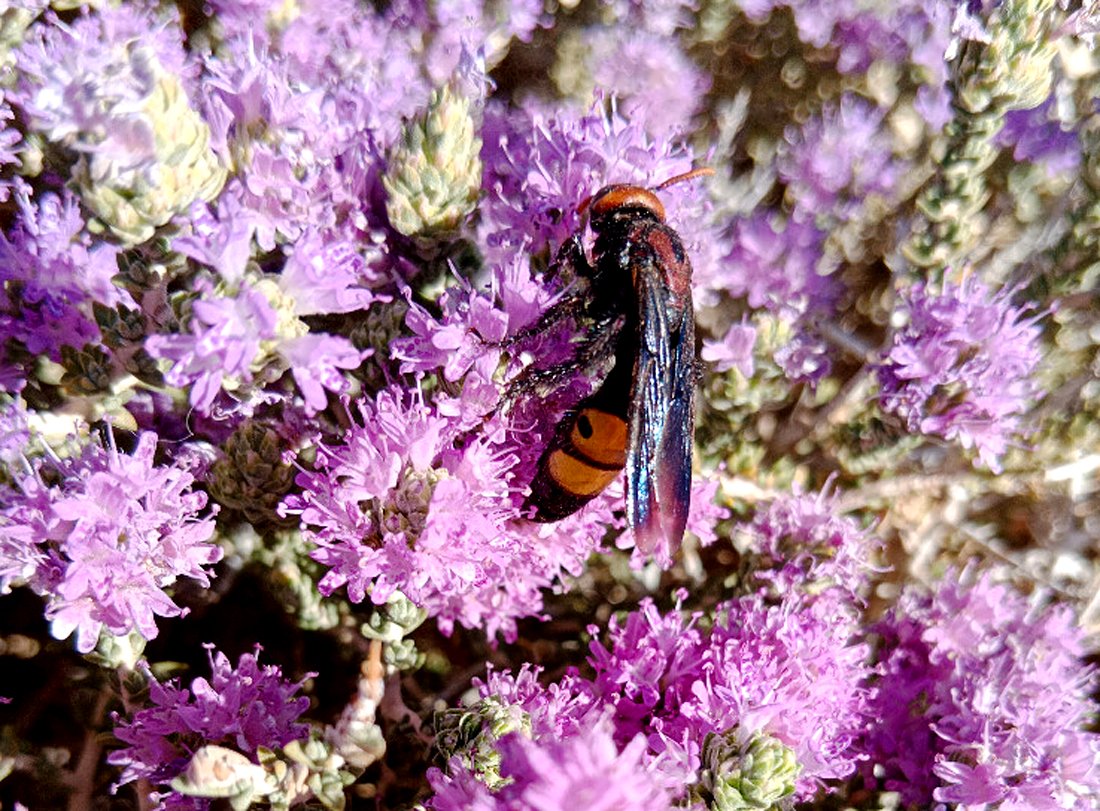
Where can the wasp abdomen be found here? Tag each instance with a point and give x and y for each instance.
(587, 457)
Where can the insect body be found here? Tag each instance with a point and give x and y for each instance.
(637, 301)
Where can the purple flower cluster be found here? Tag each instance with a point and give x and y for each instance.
(784, 668)
(101, 536)
(801, 544)
(649, 74)
(667, 684)
(834, 161)
(962, 367)
(776, 263)
(984, 701)
(542, 161)
(586, 770)
(51, 273)
(396, 507)
(242, 708)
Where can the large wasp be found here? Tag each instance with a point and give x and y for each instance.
(634, 297)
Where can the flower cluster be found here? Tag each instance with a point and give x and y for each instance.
(962, 367)
(836, 160)
(101, 536)
(802, 545)
(694, 704)
(983, 701)
(243, 708)
(776, 263)
(395, 507)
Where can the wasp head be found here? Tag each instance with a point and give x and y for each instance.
(609, 201)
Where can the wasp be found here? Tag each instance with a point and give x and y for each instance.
(634, 295)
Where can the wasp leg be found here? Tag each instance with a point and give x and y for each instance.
(595, 349)
(569, 256)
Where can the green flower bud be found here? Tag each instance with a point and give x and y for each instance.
(472, 735)
(403, 655)
(435, 170)
(381, 324)
(118, 652)
(120, 325)
(87, 370)
(138, 193)
(302, 770)
(251, 476)
(738, 777)
(392, 621)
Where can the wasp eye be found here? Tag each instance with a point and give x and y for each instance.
(584, 426)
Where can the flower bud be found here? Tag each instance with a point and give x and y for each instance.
(151, 158)
(435, 170)
(740, 777)
(251, 476)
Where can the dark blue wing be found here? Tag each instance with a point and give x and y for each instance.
(661, 418)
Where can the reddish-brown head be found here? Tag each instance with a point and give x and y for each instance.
(613, 198)
(624, 195)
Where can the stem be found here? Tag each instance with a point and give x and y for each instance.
(82, 777)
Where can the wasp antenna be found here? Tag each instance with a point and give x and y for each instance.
(702, 171)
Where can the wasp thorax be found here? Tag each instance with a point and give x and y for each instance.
(610, 199)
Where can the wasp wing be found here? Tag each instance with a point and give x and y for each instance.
(658, 463)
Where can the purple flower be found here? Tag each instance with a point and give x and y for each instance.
(329, 274)
(464, 338)
(9, 139)
(984, 698)
(223, 241)
(463, 345)
(233, 337)
(1036, 136)
(774, 264)
(15, 436)
(587, 770)
(778, 265)
(557, 710)
(652, 79)
(104, 543)
(241, 708)
(62, 67)
(836, 159)
(791, 671)
(961, 369)
(446, 30)
(224, 341)
(734, 351)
